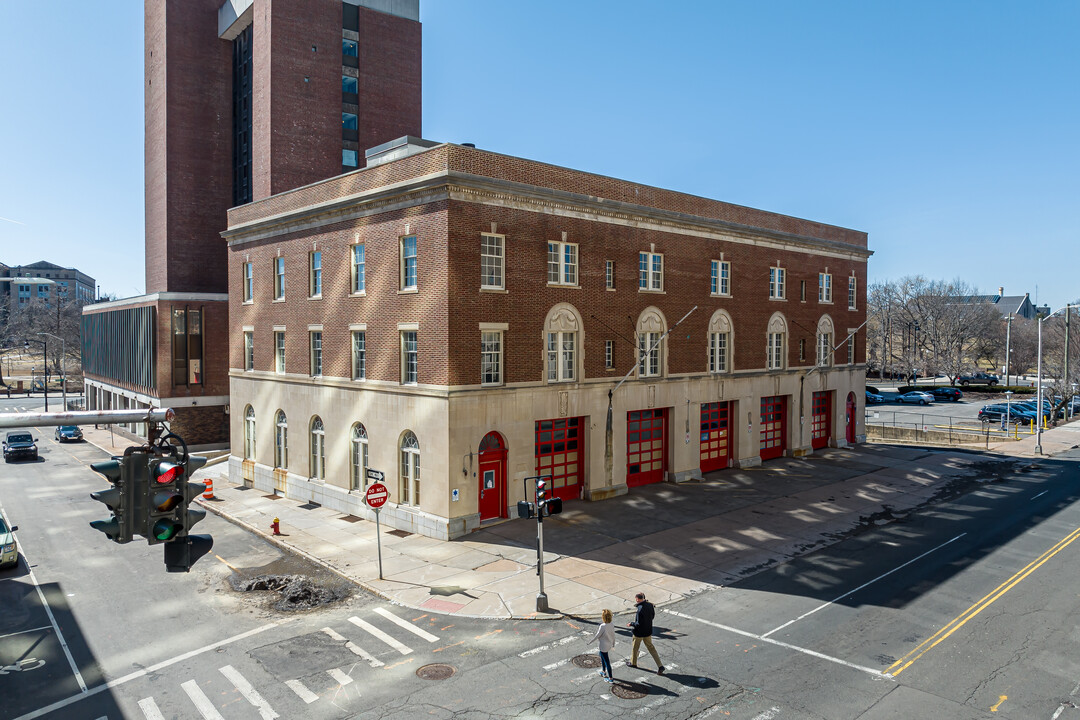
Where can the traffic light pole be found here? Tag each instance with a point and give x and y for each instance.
(540, 489)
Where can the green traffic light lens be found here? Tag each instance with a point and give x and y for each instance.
(165, 529)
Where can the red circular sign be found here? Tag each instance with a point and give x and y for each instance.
(376, 495)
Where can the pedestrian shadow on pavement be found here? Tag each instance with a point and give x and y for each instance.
(694, 681)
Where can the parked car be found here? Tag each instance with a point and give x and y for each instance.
(979, 378)
(20, 444)
(9, 549)
(68, 432)
(946, 393)
(916, 396)
(873, 398)
(1016, 415)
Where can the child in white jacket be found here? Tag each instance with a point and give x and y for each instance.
(606, 635)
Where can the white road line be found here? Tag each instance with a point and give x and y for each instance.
(201, 702)
(1041, 494)
(23, 632)
(655, 703)
(301, 691)
(342, 678)
(406, 625)
(356, 649)
(864, 585)
(789, 646)
(768, 714)
(552, 666)
(240, 683)
(557, 643)
(364, 625)
(150, 709)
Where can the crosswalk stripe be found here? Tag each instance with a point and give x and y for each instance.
(301, 691)
(550, 645)
(201, 702)
(406, 625)
(252, 695)
(363, 624)
(150, 709)
(356, 649)
(341, 677)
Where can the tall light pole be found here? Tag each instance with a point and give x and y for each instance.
(915, 356)
(63, 364)
(45, 374)
(1008, 339)
(1039, 406)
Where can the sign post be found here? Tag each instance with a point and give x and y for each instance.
(375, 497)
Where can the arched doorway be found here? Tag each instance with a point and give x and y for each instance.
(491, 499)
(851, 407)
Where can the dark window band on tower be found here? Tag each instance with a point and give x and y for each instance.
(242, 191)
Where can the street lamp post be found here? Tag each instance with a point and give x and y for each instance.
(1038, 392)
(45, 374)
(1008, 340)
(63, 365)
(915, 356)
(1008, 409)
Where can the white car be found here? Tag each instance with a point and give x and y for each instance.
(9, 550)
(916, 396)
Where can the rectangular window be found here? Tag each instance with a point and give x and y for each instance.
(720, 278)
(249, 285)
(316, 353)
(852, 283)
(490, 357)
(802, 349)
(359, 269)
(408, 262)
(648, 354)
(851, 350)
(279, 352)
(491, 261)
(348, 84)
(824, 349)
(609, 274)
(315, 274)
(609, 354)
(776, 283)
(359, 355)
(349, 48)
(279, 278)
(561, 356)
(775, 351)
(650, 271)
(249, 351)
(350, 158)
(562, 263)
(348, 121)
(802, 290)
(408, 357)
(718, 352)
(824, 290)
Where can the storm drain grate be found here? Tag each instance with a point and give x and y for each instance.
(399, 533)
(436, 671)
(629, 690)
(272, 497)
(586, 661)
(310, 506)
(351, 518)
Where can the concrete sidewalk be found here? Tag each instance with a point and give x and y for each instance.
(669, 541)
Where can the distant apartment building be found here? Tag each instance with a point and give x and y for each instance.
(43, 282)
(243, 99)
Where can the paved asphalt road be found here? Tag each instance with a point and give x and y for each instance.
(962, 610)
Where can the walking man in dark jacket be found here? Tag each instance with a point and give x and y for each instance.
(642, 627)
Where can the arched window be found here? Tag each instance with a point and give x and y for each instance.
(410, 469)
(281, 440)
(825, 335)
(650, 328)
(562, 338)
(318, 449)
(720, 342)
(358, 456)
(776, 343)
(249, 433)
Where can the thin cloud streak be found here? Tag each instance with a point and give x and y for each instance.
(12, 221)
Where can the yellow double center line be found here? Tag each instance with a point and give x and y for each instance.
(958, 622)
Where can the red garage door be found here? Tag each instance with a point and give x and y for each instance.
(821, 419)
(715, 445)
(559, 445)
(773, 427)
(646, 431)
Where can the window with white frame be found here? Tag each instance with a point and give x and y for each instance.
(279, 278)
(279, 351)
(776, 343)
(315, 273)
(315, 337)
(720, 278)
(249, 433)
(825, 335)
(410, 470)
(609, 354)
(359, 354)
(358, 457)
(851, 348)
(562, 263)
(409, 357)
(491, 357)
(776, 283)
(249, 283)
(359, 269)
(609, 274)
(561, 329)
(720, 342)
(824, 289)
(249, 350)
(650, 271)
(407, 252)
(318, 450)
(281, 440)
(492, 262)
(650, 330)
(802, 349)
(852, 284)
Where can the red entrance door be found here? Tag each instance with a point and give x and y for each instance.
(850, 419)
(715, 445)
(646, 434)
(821, 419)
(559, 445)
(773, 427)
(492, 476)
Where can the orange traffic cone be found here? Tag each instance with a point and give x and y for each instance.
(208, 494)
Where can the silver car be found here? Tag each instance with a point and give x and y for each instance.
(916, 396)
(9, 549)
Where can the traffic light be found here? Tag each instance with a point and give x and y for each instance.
(545, 504)
(525, 509)
(182, 549)
(119, 499)
(164, 500)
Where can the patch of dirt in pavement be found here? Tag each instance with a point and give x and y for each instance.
(292, 584)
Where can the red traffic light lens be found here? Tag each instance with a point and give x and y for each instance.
(168, 472)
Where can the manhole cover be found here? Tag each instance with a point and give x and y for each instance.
(399, 533)
(437, 671)
(586, 661)
(629, 690)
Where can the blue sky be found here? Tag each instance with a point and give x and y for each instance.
(946, 130)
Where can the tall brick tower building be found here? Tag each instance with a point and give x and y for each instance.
(244, 99)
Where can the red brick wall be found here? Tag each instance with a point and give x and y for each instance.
(215, 328)
(389, 83)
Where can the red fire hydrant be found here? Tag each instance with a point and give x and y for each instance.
(276, 526)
